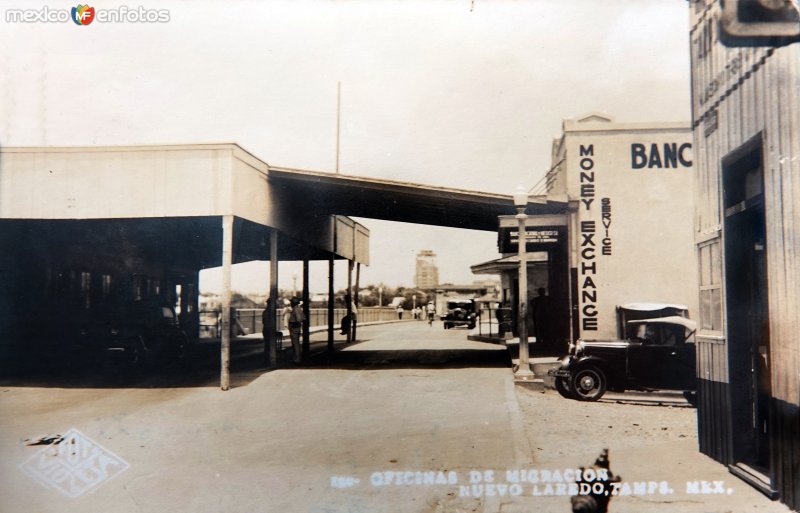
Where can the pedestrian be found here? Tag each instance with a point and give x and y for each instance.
(353, 320)
(265, 320)
(294, 323)
(400, 313)
(431, 313)
(541, 312)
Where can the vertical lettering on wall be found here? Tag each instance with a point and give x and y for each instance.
(605, 213)
(588, 237)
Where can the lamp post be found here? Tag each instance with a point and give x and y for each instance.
(380, 296)
(523, 370)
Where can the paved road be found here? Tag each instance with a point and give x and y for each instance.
(406, 401)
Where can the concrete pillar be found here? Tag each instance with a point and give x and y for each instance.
(227, 260)
(273, 293)
(349, 304)
(330, 303)
(355, 297)
(306, 311)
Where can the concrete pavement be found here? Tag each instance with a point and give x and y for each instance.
(285, 440)
(404, 421)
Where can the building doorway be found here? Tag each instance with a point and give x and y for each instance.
(747, 305)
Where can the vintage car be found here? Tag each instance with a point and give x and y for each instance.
(139, 334)
(460, 313)
(658, 354)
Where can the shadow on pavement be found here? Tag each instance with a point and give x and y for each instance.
(201, 366)
(410, 359)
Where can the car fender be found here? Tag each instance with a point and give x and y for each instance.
(613, 377)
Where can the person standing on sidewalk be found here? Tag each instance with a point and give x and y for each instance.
(265, 320)
(294, 323)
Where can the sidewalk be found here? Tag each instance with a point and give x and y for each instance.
(648, 443)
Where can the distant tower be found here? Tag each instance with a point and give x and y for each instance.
(427, 276)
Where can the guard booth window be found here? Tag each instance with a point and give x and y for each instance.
(710, 267)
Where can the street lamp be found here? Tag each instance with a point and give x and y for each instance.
(523, 370)
(380, 296)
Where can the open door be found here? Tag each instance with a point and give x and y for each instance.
(747, 309)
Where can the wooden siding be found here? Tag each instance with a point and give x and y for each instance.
(713, 411)
(738, 94)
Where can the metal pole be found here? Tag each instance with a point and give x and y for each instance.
(330, 302)
(225, 342)
(523, 370)
(338, 120)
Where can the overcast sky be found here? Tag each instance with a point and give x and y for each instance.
(443, 93)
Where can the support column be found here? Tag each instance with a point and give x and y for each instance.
(349, 304)
(273, 294)
(225, 345)
(355, 298)
(306, 312)
(330, 303)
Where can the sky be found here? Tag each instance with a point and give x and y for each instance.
(467, 94)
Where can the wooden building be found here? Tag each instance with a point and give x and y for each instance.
(746, 121)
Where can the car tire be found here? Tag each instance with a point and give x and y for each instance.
(588, 383)
(562, 387)
(178, 345)
(136, 354)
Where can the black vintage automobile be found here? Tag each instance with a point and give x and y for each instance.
(657, 354)
(138, 334)
(460, 312)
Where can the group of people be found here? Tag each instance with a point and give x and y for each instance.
(293, 319)
(425, 312)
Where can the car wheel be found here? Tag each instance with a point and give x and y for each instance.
(562, 386)
(178, 344)
(135, 354)
(589, 384)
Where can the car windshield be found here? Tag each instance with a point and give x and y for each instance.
(452, 305)
(660, 334)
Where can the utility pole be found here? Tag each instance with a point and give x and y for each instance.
(338, 120)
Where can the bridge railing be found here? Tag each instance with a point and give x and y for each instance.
(248, 320)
